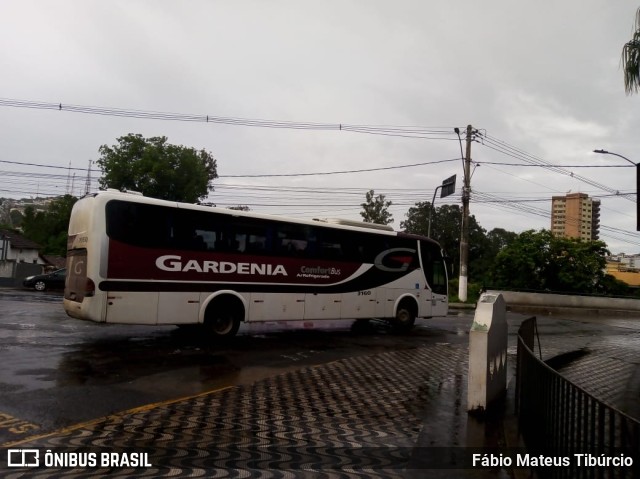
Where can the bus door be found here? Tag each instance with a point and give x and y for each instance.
(434, 268)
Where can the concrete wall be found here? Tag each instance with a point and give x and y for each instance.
(558, 303)
(12, 273)
(7, 269)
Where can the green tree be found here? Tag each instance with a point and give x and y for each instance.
(494, 241)
(376, 210)
(16, 218)
(446, 224)
(631, 60)
(537, 260)
(49, 228)
(157, 169)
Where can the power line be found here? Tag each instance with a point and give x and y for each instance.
(43, 166)
(545, 166)
(507, 149)
(436, 133)
(275, 175)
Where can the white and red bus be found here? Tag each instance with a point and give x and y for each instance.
(138, 260)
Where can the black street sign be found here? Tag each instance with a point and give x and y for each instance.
(448, 187)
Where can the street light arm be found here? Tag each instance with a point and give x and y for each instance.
(605, 152)
(637, 165)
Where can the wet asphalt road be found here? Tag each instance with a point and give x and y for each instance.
(58, 371)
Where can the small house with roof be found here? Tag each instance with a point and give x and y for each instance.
(19, 258)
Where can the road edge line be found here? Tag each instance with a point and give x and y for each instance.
(93, 422)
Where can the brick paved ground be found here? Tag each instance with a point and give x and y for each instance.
(357, 417)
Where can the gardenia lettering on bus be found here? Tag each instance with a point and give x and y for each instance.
(171, 262)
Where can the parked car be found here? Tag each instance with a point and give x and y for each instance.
(41, 282)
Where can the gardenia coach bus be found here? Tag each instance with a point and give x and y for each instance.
(138, 260)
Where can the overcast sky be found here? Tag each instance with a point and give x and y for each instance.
(538, 80)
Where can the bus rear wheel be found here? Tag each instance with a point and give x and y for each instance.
(222, 320)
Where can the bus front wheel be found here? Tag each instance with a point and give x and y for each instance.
(405, 317)
(222, 320)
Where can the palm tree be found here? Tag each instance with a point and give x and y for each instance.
(631, 60)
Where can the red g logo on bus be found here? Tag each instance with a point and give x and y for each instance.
(395, 260)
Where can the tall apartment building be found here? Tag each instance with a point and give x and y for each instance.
(575, 216)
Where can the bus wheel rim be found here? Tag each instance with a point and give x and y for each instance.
(223, 325)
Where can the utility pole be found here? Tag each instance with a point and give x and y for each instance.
(68, 179)
(87, 184)
(464, 236)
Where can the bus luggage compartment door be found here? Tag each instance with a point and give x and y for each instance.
(322, 306)
(359, 304)
(140, 307)
(178, 307)
(275, 306)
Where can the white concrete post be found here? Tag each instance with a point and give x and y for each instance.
(487, 353)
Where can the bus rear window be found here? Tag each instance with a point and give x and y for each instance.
(139, 224)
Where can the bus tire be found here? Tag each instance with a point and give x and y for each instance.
(222, 318)
(405, 317)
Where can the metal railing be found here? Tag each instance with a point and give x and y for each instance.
(559, 419)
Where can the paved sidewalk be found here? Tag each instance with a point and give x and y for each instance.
(371, 416)
(601, 355)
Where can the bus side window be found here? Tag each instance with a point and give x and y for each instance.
(240, 240)
(331, 250)
(198, 243)
(354, 251)
(291, 240)
(221, 244)
(208, 238)
(139, 224)
(256, 244)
